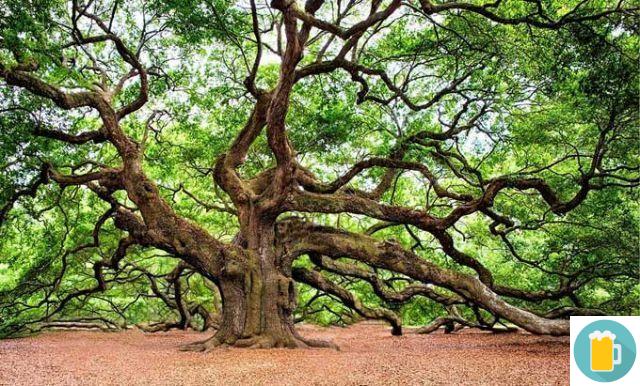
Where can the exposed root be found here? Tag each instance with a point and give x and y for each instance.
(268, 341)
(258, 342)
(203, 346)
(317, 343)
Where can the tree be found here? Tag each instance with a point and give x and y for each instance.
(494, 121)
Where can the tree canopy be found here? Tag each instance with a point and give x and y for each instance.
(244, 166)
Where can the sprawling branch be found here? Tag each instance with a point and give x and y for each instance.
(30, 190)
(380, 287)
(538, 18)
(347, 33)
(64, 99)
(307, 239)
(316, 280)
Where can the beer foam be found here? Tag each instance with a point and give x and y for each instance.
(597, 334)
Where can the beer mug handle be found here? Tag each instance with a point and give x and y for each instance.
(617, 359)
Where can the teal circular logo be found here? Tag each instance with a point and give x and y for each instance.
(604, 351)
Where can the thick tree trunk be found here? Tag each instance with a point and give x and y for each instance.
(258, 296)
(257, 310)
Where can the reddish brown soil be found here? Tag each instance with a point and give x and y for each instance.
(369, 356)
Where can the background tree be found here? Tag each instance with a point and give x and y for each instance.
(387, 155)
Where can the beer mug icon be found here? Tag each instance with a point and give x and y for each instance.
(604, 353)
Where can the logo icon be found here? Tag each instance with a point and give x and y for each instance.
(604, 350)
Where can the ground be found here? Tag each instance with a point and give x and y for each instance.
(368, 355)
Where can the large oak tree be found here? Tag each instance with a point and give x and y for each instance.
(379, 141)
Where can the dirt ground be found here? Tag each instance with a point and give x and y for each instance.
(369, 355)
